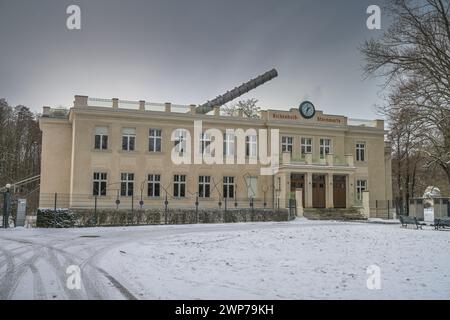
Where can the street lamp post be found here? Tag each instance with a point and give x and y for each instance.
(196, 207)
(6, 205)
(141, 202)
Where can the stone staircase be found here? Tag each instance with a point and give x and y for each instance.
(333, 214)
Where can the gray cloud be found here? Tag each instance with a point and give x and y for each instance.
(187, 52)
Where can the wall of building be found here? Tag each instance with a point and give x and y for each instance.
(55, 159)
(68, 149)
(141, 162)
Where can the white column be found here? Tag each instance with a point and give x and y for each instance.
(308, 190)
(299, 200)
(285, 189)
(350, 190)
(366, 204)
(329, 203)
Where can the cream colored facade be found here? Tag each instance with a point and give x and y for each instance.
(70, 158)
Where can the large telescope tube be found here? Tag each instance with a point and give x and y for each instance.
(236, 92)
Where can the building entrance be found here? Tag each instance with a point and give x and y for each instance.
(318, 187)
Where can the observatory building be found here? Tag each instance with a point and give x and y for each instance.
(115, 153)
(111, 153)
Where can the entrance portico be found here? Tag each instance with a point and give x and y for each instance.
(324, 185)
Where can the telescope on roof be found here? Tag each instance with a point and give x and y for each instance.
(236, 92)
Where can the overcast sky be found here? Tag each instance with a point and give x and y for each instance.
(188, 51)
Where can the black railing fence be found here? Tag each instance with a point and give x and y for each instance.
(90, 210)
(83, 201)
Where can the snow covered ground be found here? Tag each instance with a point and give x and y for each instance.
(287, 260)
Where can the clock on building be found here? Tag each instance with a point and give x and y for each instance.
(307, 110)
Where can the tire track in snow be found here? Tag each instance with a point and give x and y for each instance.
(11, 279)
(94, 284)
(39, 292)
(60, 273)
(38, 287)
(56, 266)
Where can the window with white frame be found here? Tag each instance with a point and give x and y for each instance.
(286, 144)
(154, 140)
(179, 185)
(228, 187)
(180, 141)
(305, 146)
(361, 185)
(154, 185)
(128, 139)
(325, 147)
(204, 186)
(251, 146)
(228, 144)
(99, 184)
(126, 185)
(101, 138)
(252, 186)
(205, 142)
(360, 151)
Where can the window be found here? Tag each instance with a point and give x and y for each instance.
(361, 185)
(228, 187)
(205, 142)
(306, 146)
(325, 147)
(99, 184)
(250, 146)
(154, 140)
(228, 144)
(154, 185)
(180, 141)
(252, 186)
(179, 185)
(128, 139)
(204, 186)
(101, 138)
(286, 144)
(126, 185)
(360, 151)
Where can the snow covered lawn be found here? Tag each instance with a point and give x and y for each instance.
(300, 260)
(286, 260)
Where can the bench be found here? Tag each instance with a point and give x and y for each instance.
(405, 220)
(441, 223)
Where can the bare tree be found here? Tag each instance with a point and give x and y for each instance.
(20, 143)
(414, 57)
(406, 160)
(247, 107)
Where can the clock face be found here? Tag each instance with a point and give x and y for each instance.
(307, 110)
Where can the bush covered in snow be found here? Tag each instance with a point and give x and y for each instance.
(61, 218)
(66, 218)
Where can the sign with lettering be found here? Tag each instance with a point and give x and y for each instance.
(318, 117)
(328, 119)
(284, 116)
